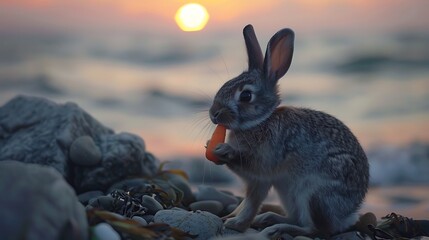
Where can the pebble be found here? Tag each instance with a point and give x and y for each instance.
(203, 224)
(229, 231)
(84, 152)
(230, 208)
(302, 238)
(347, 236)
(148, 218)
(211, 206)
(245, 236)
(182, 184)
(105, 231)
(211, 193)
(141, 220)
(103, 202)
(367, 219)
(151, 204)
(86, 196)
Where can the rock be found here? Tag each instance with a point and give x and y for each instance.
(211, 206)
(347, 236)
(182, 184)
(36, 130)
(151, 204)
(141, 220)
(148, 218)
(245, 236)
(229, 231)
(230, 208)
(367, 219)
(38, 204)
(85, 197)
(102, 202)
(211, 193)
(105, 231)
(178, 209)
(302, 238)
(123, 156)
(203, 224)
(84, 152)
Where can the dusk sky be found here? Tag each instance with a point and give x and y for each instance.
(111, 16)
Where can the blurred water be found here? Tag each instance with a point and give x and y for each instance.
(160, 87)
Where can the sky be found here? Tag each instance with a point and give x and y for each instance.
(113, 16)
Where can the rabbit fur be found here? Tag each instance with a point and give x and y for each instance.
(311, 159)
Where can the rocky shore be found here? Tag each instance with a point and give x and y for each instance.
(63, 175)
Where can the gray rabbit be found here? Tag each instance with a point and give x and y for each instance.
(312, 160)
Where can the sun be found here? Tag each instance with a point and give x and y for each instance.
(192, 17)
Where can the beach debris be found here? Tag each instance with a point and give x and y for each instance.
(132, 229)
(395, 226)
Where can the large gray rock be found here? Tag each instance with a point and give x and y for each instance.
(203, 224)
(37, 203)
(36, 130)
(123, 156)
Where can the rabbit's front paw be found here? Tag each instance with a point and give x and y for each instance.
(236, 223)
(224, 152)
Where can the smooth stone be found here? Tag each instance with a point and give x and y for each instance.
(347, 236)
(367, 219)
(105, 231)
(211, 206)
(37, 203)
(148, 218)
(230, 208)
(243, 236)
(141, 220)
(203, 224)
(285, 236)
(211, 193)
(302, 238)
(123, 155)
(102, 202)
(151, 204)
(86, 196)
(84, 152)
(182, 184)
(229, 231)
(178, 209)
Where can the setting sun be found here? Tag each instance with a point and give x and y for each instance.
(192, 17)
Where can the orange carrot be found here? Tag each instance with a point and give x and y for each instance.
(217, 137)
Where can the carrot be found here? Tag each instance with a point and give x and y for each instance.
(217, 137)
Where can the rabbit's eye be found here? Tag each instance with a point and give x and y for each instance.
(245, 96)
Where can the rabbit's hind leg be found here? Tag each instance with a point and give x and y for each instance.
(255, 194)
(270, 218)
(278, 230)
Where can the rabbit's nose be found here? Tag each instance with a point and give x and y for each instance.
(214, 116)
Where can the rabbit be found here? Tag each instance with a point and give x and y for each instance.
(311, 159)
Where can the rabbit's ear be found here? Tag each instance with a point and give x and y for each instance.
(254, 51)
(279, 55)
